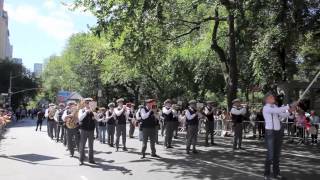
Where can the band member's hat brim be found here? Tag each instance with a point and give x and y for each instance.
(236, 100)
(88, 99)
(150, 100)
(120, 100)
(192, 102)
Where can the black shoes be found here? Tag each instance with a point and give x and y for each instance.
(81, 163)
(92, 162)
(124, 149)
(155, 155)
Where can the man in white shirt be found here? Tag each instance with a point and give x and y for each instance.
(273, 134)
(49, 115)
(72, 134)
(209, 112)
(59, 122)
(237, 115)
(122, 115)
(111, 124)
(170, 123)
(192, 122)
(148, 126)
(138, 121)
(87, 126)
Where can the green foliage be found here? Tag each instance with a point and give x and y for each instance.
(22, 80)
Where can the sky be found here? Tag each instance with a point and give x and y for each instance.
(41, 28)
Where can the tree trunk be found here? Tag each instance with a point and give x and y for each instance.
(232, 84)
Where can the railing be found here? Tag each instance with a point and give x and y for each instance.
(257, 128)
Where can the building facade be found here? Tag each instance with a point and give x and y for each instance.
(5, 46)
(37, 69)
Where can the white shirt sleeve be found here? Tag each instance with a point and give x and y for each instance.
(166, 111)
(137, 115)
(275, 110)
(82, 115)
(56, 116)
(144, 114)
(189, 116)
(64, 115)
(241, 111)
(46, 114)
(118, 112)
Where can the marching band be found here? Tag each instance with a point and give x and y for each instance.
(75, 124)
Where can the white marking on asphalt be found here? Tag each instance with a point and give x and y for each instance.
(83, 178)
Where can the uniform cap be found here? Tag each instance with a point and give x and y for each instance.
(120, 100)
(88, 99)
(168, 101)
(192, 102)
(71, 103)
(150, 100)
(111, 105)
(235, 100)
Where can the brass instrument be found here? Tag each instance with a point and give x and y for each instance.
(52, 112)
(72, 118)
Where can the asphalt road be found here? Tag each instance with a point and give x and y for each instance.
(29, 155)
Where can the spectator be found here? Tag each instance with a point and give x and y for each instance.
(315, 121)
(300, 124)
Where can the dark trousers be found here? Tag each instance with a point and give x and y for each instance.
(73, 139)
(84, 136)
(261, 129)
(192, 135)
(132, 128)
(39, 124)
(273, 141)
(170, 127)
(110, 133)
(149, 133)
(51, 127)
(121, 131)
(102, 134)
(65, 137)
(209, 131)
(237, 139)
(314, 137)
(60, 132)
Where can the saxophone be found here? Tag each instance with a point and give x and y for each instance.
(72, 119)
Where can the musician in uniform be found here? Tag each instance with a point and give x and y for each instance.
(131, 119)
(148, 125)
(192, 123)
(209, 112)
(237, 115)
(70, 118)
(49, 115)
(59, 122)
(111, 124)
(138, 121)
(121, 113)
(102, 123)
(170, 122)
(87, 126)
(40, 117)
(274, 134)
